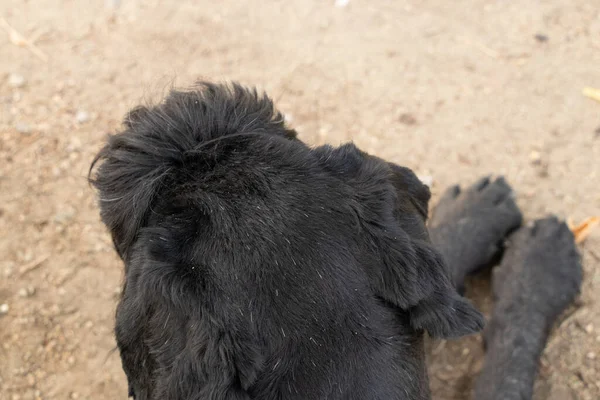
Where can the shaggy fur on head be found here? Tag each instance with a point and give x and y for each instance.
(259, 268)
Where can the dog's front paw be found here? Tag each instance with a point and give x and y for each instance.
(541, 268)
(469, 226)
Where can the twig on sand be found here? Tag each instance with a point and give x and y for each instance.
(582, 231)
(19, 40)
(35, 264)
(592, 93)
(483, 48)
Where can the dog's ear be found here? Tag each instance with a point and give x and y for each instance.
(127, 182)
(409, 186)
(391, 206)
(443, 313)
(414, 277)
(446, 316)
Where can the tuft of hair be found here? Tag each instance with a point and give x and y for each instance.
(157, 141)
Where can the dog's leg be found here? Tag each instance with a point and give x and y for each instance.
(469, 226)
(539, 276)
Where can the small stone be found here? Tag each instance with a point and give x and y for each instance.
(589, 328)
(535, 157)
(540, 37)
(26, 292)
(407, 119)
(427, 180)
(591, 355)
(22, 127)
(16, 80)
(4, 308)
(82, 116)
(64, 216)
(74, 395)
(114, 4)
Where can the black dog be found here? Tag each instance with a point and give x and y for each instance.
(259, 268)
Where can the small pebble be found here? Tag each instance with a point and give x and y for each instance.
(22, 127)
(540, 37)
(16, 80)
(407, 119)
(591, 355)
(4, 308)
(589, 328)
(82, 116)
(113, 3)
(27, 292)
(535, 157)
(427, 180)
(65, 216)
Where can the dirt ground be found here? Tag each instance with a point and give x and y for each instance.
(452, 89)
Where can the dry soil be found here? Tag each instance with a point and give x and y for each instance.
(452, 89)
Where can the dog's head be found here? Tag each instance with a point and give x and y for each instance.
(158, 143)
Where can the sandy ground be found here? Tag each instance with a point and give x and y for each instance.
(452, 89)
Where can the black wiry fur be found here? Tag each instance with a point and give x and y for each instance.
(258, 268)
